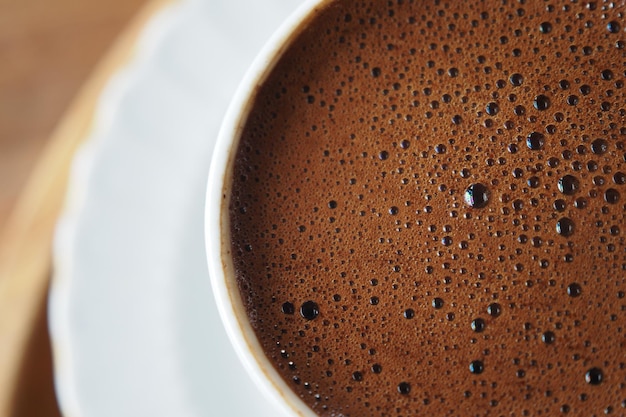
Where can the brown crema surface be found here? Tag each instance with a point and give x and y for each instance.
(427, 210)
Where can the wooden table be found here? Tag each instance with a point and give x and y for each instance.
(54, 65)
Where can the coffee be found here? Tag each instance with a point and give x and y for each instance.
(427, 209)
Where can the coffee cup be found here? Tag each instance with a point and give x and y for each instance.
(415, 205)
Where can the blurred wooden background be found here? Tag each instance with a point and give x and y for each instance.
(48, 50)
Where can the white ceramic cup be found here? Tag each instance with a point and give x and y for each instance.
(217, 231)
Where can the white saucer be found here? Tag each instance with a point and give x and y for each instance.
(133, 320)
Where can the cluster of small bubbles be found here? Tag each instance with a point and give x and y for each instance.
(426, 212)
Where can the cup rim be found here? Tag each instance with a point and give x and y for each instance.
(217, 245)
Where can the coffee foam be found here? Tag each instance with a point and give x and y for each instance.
(427, 210)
